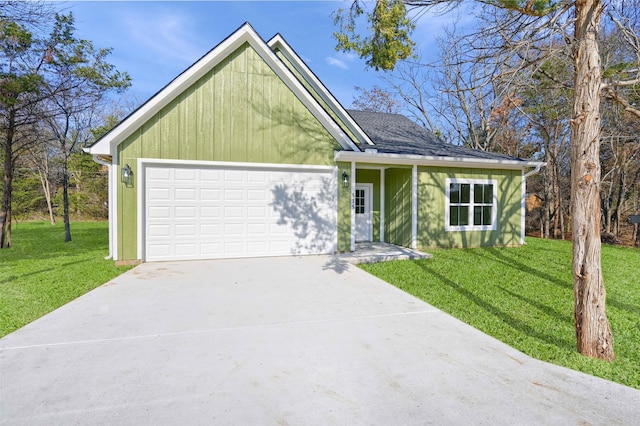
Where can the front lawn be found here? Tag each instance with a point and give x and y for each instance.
(524, 297)
(40, 272)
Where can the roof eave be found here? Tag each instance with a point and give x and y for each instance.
(425, 160)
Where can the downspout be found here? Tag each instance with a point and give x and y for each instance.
(535, 171)
(98, 160)
(523, 201)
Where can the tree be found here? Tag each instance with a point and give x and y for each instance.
(376, 100)
(35, 74)
(79, 80)
(390, 20)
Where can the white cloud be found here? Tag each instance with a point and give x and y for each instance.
(336, 62)
(167, 35)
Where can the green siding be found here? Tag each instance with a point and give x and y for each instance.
(397, 206)
(431, 209)
(240, 111)
(344, 210)
(373, 177)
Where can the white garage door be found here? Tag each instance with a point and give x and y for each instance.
(226, 212)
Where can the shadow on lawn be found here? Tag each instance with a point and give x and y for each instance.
(16, 277)
(499, 256)
(498, 313)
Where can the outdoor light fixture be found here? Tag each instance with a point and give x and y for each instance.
(345, 180)
(126, 175)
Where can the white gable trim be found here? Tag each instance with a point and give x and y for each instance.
(277, 42)
(245, 34)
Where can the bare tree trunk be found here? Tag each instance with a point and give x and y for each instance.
(561, 220)
(622, 194)
(5, 210)
(593, 332)
(43, 174)
(65, 202)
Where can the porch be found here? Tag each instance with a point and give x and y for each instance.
(373, 252)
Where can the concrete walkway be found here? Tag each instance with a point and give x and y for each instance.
(380, 252)
(297, 341)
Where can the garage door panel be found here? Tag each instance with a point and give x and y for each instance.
(201, 213)
(209, 212)
(185, 194)
(207, 194)
(184, 174)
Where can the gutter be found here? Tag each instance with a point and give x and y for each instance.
(425, 160)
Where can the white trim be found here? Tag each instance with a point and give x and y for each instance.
(236, 164)
(278, 42)
(414, 207)
(470, 227)
(353, 207)
(424, 160)
(142, 207)
(382, 211)
(369, 203)
(523, 206)
(534, 171)
(245, 34)
(143, 163)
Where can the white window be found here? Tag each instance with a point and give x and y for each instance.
(471, 205)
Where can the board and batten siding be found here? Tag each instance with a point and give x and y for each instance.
(240, 111)
(432, 204)
(397, 207)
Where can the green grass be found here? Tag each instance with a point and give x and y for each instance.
(40, 272)
(524, 297)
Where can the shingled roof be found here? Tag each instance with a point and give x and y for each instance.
(396, 134)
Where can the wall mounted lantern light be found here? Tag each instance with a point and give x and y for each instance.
(345, 180)
(126, 175)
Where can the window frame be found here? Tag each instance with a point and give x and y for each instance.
(494, 206)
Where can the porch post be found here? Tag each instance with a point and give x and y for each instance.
(414, 207)
(382, 213)
(353, 206)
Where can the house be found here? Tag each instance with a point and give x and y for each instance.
(247, 153)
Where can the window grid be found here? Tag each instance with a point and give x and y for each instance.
(471, 205)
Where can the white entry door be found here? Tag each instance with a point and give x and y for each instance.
(364, 215)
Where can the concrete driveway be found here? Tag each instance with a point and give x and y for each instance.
(298, 341)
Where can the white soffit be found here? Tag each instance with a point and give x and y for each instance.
(424, 160)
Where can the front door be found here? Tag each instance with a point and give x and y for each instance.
(364, 215)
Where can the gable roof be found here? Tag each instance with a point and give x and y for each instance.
(398, 140)
(277, 42)
(106, 145)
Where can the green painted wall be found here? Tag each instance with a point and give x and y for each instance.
(373, 177)
(397, 206)
(431, 209)
(344, 210)
(240, 111)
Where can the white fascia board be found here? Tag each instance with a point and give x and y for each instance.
(245, 34)
(278, 42)
(424, 160)
(233, 164)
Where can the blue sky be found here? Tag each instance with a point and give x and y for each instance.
(154, 41)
